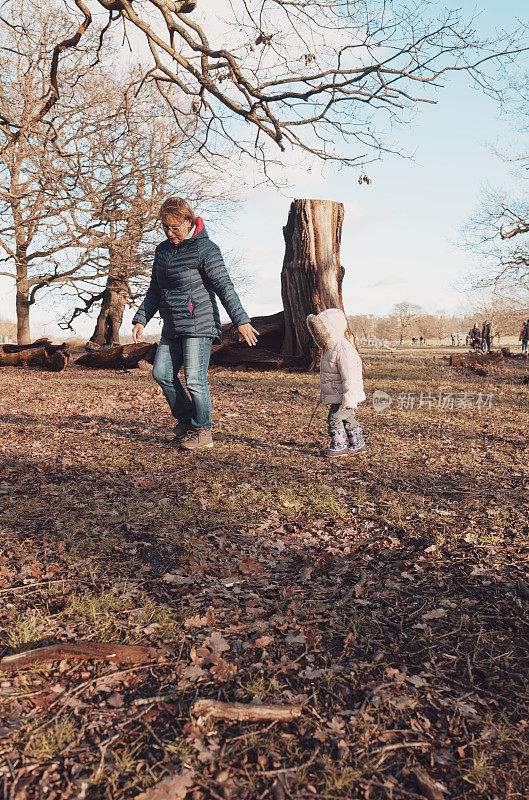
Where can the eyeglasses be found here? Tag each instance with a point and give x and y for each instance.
(173, 228)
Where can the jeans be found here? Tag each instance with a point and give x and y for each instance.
(193, 352)
(339, 418)
(525, 343)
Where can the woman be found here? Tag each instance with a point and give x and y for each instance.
(188, 272)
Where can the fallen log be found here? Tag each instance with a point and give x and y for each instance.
(271, 332)
(266, 354)
(41, 354)
(256, 358)
(19, 348)
(126, 356)
(242, 712)
(495, 358)
(84, 650)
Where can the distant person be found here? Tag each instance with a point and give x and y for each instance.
(188, 272)
(486, 336)
(414, 340)
(453, 336)
(422, 340)
(524, 337)
(475, 336)
(341, 382)
(459, 339)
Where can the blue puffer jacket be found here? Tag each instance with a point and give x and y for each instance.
(185, 279)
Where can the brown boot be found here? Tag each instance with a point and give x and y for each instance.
(177, 433)
(196, 440)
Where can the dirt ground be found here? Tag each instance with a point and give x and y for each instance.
(387, 593)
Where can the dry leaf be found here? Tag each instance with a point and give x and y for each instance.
(175, 787)
(437, 613)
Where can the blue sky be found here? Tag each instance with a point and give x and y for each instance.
(400, 234)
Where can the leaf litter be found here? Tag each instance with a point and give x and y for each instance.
(380, 596)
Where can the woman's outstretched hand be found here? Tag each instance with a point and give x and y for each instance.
(248, 333)
(137, 333)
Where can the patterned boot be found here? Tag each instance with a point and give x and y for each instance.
(355, 441)
(338, 446)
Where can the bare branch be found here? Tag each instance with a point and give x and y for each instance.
(320, 67)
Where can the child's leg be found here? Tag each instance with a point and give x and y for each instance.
(350, 421)
(355, 437)
(335, 418)
(338, 445)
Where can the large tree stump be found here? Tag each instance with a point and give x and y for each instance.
(40, 354)
(126, 356)
(311, 279)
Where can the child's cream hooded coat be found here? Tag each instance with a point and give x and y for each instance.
(340, 364)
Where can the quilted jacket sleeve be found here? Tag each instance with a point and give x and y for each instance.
(151, 301)
(218, 279)
(350, 368)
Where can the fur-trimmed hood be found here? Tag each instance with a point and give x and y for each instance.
(328, 327)
(340, 364)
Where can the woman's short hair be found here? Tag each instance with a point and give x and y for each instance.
(178, 207)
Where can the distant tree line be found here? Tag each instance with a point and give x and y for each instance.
(407, 320)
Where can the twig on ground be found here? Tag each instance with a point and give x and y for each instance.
(240, 712)
(82, 650)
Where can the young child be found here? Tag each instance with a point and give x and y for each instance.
(342, 387)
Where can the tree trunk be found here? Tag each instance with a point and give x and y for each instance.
(311, 279)
(22, 303)
(110, 317)
(22, 309)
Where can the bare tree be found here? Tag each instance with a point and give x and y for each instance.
(81, 188)
(36, 189)
(506, 311)
(498, 232)
(362, 325)
(320, 76)
(309, 74)
(405, 314)
(498, 236)
(125, 167)
(386, 327)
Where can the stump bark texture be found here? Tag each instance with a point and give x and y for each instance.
(311, 279)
